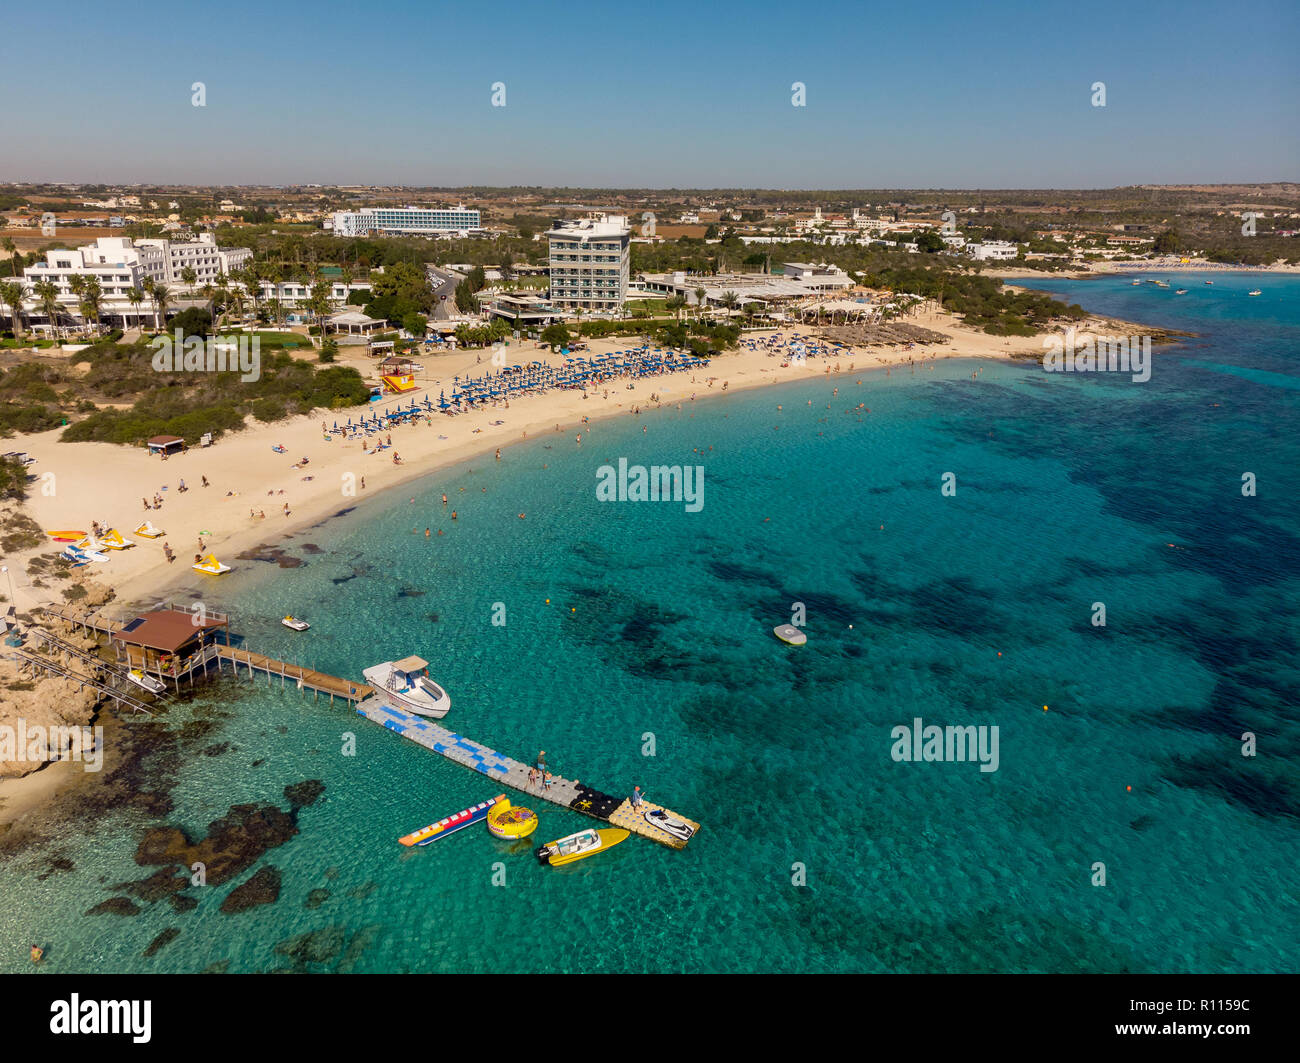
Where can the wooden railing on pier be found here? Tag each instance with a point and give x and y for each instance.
(302, 678)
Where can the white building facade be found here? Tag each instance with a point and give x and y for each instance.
(589, 263)
(993, 250)
(406, 221)
(120, 265)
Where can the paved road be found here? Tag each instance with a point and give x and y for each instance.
(443, 283)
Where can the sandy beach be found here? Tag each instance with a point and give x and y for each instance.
(108, 483)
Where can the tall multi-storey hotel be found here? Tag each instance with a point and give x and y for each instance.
(589, 262)
(406, 221)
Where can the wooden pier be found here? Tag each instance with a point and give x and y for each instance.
(303, 678)
(90, 621)
(568, 793)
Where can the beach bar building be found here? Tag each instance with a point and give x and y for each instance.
(172, 644)
(166, 444)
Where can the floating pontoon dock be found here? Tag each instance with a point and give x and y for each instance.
(501, 769)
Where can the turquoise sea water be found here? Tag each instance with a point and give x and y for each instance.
(1070, 490)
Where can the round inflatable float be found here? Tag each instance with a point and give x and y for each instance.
(506, 821)
(788, 633)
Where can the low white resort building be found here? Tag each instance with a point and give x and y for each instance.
(121, 265)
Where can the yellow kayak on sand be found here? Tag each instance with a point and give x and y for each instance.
(581, 845)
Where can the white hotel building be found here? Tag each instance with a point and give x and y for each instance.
(119, 264)
(407, 221)
(589, 263)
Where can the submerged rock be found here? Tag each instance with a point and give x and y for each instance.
(183, 903)
(315, 946)
(302, 794)
(233, 843)
(360, 893)
(316, 898)
(55, 865)
(220, 967)
(115, 906)
(262, 888)
(165, 938)
(361, 941)
(160, 884)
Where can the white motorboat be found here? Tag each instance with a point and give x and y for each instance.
(658, 817)
(296, 623)
(405, 684)
(146, 682)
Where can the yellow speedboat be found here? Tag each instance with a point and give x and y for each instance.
(581, 845)
(506, 821)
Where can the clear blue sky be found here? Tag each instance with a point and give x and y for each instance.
(654, 94)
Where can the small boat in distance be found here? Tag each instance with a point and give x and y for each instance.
(146, 682)
(1135, 283)
(1209, 282)
(1255, 292)
(790, 634)
(451, 824)
(405, 684)
(1181, 291)
(210, 565)
(296, 623)
(579, 846)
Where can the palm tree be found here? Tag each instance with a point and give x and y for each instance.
(249, 277)
(12, 294)
(48, 293)
(160, 296)
(699, 300)
(147, 286)
(92, 298)
(729, 300)
(277, 310)
(675, 303)
(11, 249)
(188, 276)
(135, 297)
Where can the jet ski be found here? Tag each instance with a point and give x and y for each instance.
(658, 817)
